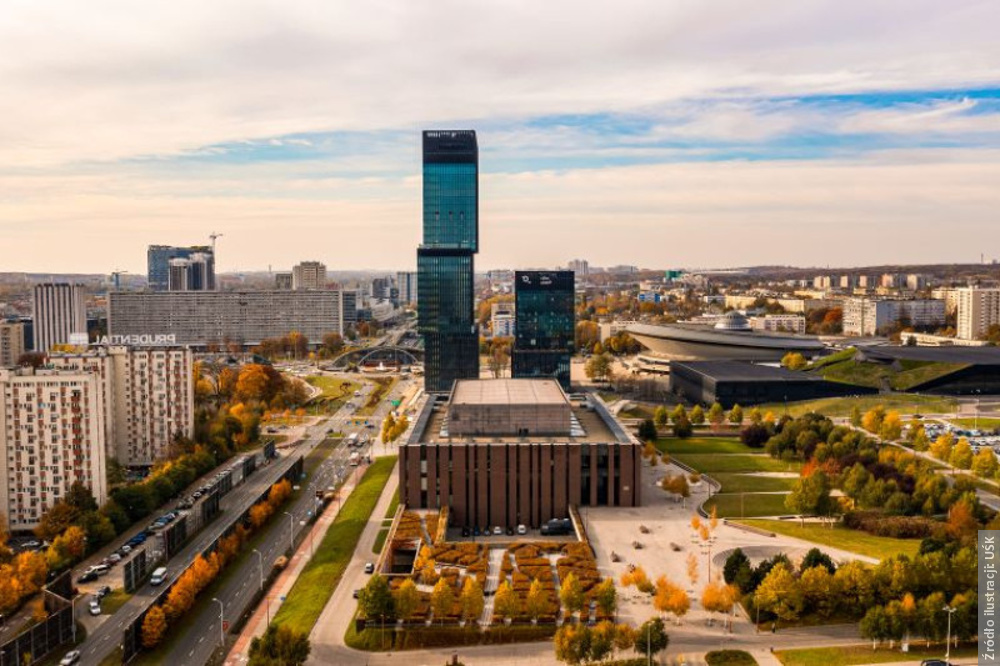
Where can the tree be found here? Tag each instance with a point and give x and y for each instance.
(333, 343)
(736, 415)
(961, 455)
(875, 625)
(941, 448)
(872, 420)
(280, 645)
(716, 415)
(780, 593)
(818, 590)
(692, 569)
(810, 495)
(572, 644)
(660, 416)
(651, 637)
(856, 417)
(670, 598)
(683, 428)
(718, 597)
(571, 594)
(505, 601)
(678, 414)
(892, 427)
(602, 641)
(67, 548)
(32, 568)
(376, 601)
(154, 626)
(697, 415)
(10, 589)
(755, 435)
(471, 599)
(535, 603)
(647, 430)
(737, 570)
(606, 597)
(817, 558)
(407, 599)
(984, 463)
(598, 366)
(56, 520)
(442, 599)
(793, 361)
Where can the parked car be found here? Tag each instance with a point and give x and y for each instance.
(357, 593)
(101, 569)
(114, 558)
(103, 592)
(522, 530)
(87, 577)
(95, 607)
(125, 550)
(465, 531)
(497, 531)
(70, 658)
(369, 567)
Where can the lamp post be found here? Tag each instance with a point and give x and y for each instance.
(291, 533)
(947, 645)
(222, 621)
(267, 602)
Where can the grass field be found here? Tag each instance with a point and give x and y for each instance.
(675, 446)
(742, 483)
(735, 505)
(336, 392)
(983, 423)
(382, 387)
(393, 505)
(905, 402)
(849, 655)
(709, 463)
(380, 540)
(729, 658)
(111, 603)
(841, 537)
(321, 575)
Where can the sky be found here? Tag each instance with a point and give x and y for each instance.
(660, 133)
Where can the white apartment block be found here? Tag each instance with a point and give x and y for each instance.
(978, 309)
(871, 316)
(950, 297)
(59, 310)
(148, 396)
(406, 283)
(52, 431)
(309, 275)
(779, 323)
(11, 343)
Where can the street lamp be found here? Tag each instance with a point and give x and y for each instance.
(222, 621)
(291, 528)
(947, 645)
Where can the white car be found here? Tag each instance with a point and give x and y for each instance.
(95, 607)
(522, 530)
(71, 658)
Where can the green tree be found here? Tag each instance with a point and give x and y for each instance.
(571, 594)
(683, 428)
(647, 430)
(810, 495)
(598, 367)
(651, 637)
(856, 416)
(716, 415)
(606, 597)
(280, 645)
(375, 599)
(660, 416)
(736, 415)
(780, 593)
(406, 599)
(678, 414)
(697, 415)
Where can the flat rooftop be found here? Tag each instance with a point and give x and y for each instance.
(513, 392)
(737, 371)
(594, 428)
(957, 354)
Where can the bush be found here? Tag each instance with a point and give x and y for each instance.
(730, 658)
(755, 435)
(647, 430)
(900, 527)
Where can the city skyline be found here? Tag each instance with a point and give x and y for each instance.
(733, 142)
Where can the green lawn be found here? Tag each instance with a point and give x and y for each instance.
(905, 402)
(863, 654)
(321, 575)
(841, 537)
(336, 391)
(675, 446)
(709, 463)
(111, 603)
(393, 505)
(382, 387)
(380, 540)
(730, 658)
(748, 504)
(983, 423)
(743, 483)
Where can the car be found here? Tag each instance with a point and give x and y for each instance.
(197, 494)
(70, 658)
(497, 531)
(369, 567)
(510, 531)
(87, 577)
(357, 593)
(114, 558)
(125, 550)
(475, 531)
(522, 530)
(95, 607)
(31, 545)
(101, 569)
(935, 662)
(103, 592)
(466, 532)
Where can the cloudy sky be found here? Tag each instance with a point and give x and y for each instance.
(660, 133)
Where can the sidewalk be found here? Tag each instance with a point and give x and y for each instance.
(257, 623)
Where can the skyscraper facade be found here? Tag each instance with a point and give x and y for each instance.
(545, 327)
(59, 310)
(158, 265)
(445, 260)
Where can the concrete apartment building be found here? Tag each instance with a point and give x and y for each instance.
(506, 452)
(502, 319)
(978, 309)
(872, 316)
(148, 397)
(11, 343)
(406, 283)
(309, 275)
(779, 323)
(59, 310)
(203, 318)
(52, 423)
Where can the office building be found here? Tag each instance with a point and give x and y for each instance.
(506, 452)
(11, 343)
(978, 309)
(950, 297)
(874, 316)
(158, 259)
(215, 318)
(193, 273)
(147, 393)
(283, 281)
(52, 423)
(445, 259)
(309, 275)
(59, 311)
(502, 319)
(545, 331)
(580, 267)
(406, 283)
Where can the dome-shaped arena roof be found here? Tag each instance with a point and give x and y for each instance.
(732, 321)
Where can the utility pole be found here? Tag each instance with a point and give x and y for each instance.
(947, 647)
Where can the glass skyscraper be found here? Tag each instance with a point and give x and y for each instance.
(545, 325)
(445, 266)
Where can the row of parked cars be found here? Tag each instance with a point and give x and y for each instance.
(162, 521)
(497, 531)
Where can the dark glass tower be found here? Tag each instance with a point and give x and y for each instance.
(545, 326)
(445, 267)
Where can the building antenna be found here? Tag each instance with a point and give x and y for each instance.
(213, 236)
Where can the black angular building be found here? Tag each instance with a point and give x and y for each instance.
(445, 259)
(545, 325)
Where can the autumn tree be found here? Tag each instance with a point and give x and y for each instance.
(718, 597)
(442, 599)
(692, 569)
(154, 626)
(471, 599)
(376, 601)
(505, 602)
(872, 420)
(780, 593)
(736, 415)
(572, 644)
(637, 577)
(892, 427)
(984, 463)
(32, 569)
(670, 598)
(794, 361)
(810, 495)
(697, 415)
(941, 448)
(67, 548)
(279, 646)
(535, 603)
(716, 415)
(598, 367)
(961, 455)
(406, 599)
(606, 597)
(571, 594)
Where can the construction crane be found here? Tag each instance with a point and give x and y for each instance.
(213, 236)
(116, 275)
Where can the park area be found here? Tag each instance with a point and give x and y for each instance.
(335, 392)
